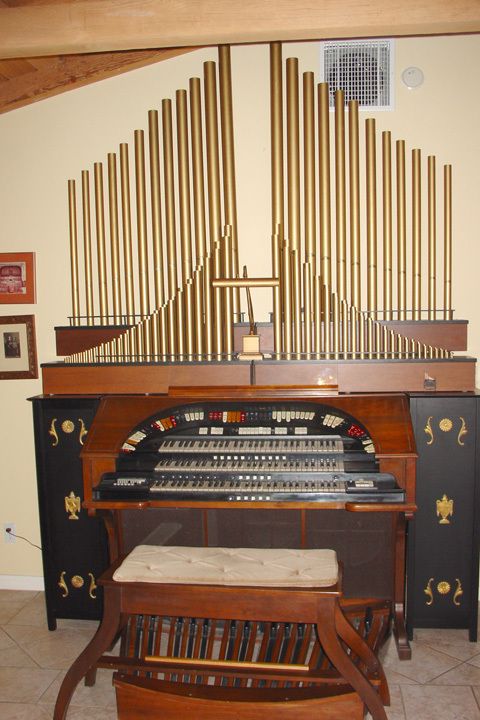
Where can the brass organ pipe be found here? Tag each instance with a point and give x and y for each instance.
(345, 328)
(155, 195)
(340, 201)
(317, 315)
(189, 318)
(401, 232)
(307, 312)
(184, 186)
(114, 239)
(324, 184)
(228, 292)
(335, 325)
(197, 170)
(293, 195)
(277, 181)
(143, 284)
(170, 229)
(309, 164)
(213, 182)
(276, 294)
(447, 208)
(127, 232)
(371, 210)
(326, 307)
(228, 157)
(416, 235)
(309, 205)
(168, 183)
(72, 215)
(387, 223)
(101, 250)
(354, 187)
(287, 306)
(179, 302)
(432, 239)
(204, 338)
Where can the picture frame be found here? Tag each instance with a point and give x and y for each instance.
(17, 278)
(18, 352)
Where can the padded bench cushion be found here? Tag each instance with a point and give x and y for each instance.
(229, 566)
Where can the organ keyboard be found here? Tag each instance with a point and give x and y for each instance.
(260, 467)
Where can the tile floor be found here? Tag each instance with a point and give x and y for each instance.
(441, 682)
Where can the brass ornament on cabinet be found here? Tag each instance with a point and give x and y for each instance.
(444, 509)
(62, 584)
(68, 426)
(77, 581)
(72, 505)
(93, 586)
(463, 431)
(428, 431)
(444, 587)
(83, 431)
(445, 425)
(53, 432)
(428, 592)
(458, 592)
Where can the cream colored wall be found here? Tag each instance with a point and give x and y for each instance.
(43, 145)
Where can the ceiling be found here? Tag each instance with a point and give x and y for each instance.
(102, 38)
(24, 80)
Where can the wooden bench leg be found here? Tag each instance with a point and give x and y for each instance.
(342, 661)
(350, 636)
(86, 661)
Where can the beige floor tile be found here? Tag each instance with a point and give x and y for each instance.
(451, 642)
(18, 595)
(8, 610)
(32, 613)
(464, 674)
(24, 685)
(76, 713)
(24, 711)
(425, 665)
(5, 640)
(102, 694)
(50, 649)
(16, 657)
(430, 702)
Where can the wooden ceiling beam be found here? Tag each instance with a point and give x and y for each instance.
(91, 26)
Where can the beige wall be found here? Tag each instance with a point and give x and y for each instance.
(43, 145)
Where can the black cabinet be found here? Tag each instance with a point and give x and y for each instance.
(444, 536)
(74, 546)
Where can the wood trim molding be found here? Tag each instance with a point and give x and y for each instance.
(106, 25)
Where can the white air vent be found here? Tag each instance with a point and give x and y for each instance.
(363, 69)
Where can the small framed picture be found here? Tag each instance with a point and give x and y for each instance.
(18, 352)
(17, 277)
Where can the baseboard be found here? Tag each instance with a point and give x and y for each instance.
(21, 582)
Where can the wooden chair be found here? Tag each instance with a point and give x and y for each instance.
(171, 594)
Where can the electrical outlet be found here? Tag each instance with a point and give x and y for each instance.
(7, 537)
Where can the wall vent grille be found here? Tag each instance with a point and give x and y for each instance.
(362, 68)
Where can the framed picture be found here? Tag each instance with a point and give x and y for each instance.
(17, 278)
(18, 353)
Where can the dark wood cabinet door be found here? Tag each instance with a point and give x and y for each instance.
(74, 545)
(443, 551)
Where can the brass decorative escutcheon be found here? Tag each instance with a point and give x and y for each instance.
(62, 584)
(72, 505)
(83, 431)
(53, 433)
(458, 592)
(68, 426)
(444, 509)
(428, 431)
(463, 431)
(428, 592)
(77, 581)
(93, 586)
(444, 587)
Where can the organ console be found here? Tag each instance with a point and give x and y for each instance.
(309, 443)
